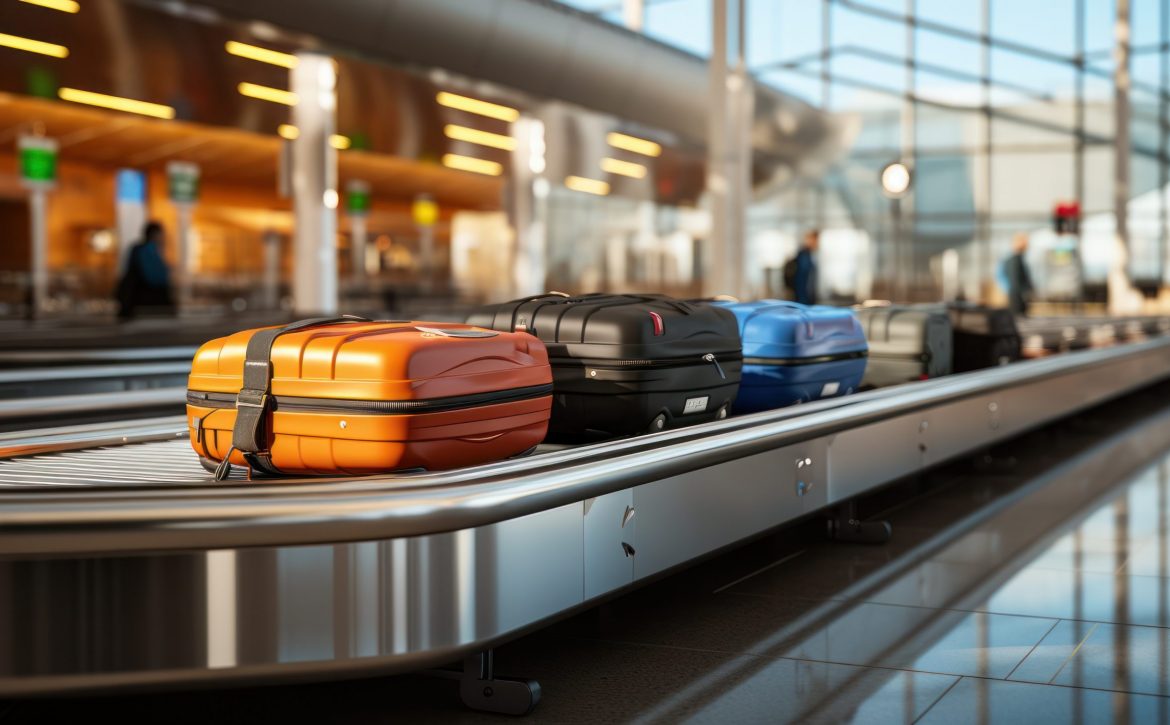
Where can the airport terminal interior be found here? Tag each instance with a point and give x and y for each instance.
(555, 361)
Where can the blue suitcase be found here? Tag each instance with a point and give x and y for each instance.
(795, 353)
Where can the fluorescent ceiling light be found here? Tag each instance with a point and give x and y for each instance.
(116, 103)
(33, 46)
(633, 143)
(291, 132)
(264, 55)
(65, 6)
(470, 163)
(474, 105)
(483, 138)
(266, 93)
(589, 186)
(623, 168)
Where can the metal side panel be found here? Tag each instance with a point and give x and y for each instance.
(957, 428)
(609, 542)
(863, 457)
(400, 604)
(688, 516)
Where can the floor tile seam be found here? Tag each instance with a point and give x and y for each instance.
(782, 560)
(656, 645)
(893, 668)
(939, 699)
(915, 606)
(967, 611)
(1073, 654)
(1034, 646)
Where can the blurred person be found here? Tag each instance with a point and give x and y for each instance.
(1019, 279)
(146, 282)
(800, 272)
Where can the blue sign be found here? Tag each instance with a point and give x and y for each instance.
(131, 186)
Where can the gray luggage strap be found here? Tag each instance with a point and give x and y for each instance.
(250, 435)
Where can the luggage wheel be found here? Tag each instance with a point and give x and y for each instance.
(208, 464)
(658, 424)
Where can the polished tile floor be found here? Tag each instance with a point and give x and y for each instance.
(1030, 586)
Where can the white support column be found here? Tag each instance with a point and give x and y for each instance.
(728, 150)
(271, 270)
(1123, 298)
(184, 213)
(528, 195)
(314, 185)
(38, 206)
(634, 14)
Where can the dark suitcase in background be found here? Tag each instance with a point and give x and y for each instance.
(984, 337)
(627, 364)
(905, 343)
(794, 353)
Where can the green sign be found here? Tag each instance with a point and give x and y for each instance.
(357, 197)
(38, 160)
(182, 182)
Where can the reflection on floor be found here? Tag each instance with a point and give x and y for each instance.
(1029, 586)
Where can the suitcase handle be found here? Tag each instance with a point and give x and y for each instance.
(252, 402)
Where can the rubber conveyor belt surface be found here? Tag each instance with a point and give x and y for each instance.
(137, 464)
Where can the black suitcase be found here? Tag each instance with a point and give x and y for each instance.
(627, 364)
(984, 337)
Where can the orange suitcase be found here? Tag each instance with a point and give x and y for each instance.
(352, 396)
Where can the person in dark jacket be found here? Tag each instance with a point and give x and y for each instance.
(1019, 280)
(804, 282)
(146, 282)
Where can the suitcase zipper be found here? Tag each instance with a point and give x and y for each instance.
(376, 407)
(674, 362)
(790, 362)
(920, 356)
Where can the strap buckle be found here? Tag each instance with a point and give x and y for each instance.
(249, 398)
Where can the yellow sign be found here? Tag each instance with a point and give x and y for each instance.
(425, 211)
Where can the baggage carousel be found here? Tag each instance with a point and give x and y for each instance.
(123, 565)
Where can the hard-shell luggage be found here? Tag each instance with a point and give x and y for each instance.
(984, 337)
(905, 343)
(348, 395)
(626, 364)
(794, 353)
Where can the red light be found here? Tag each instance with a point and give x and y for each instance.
(659, 327)
(924, 376)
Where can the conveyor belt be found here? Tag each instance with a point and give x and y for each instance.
(250, 580)
(140, 464)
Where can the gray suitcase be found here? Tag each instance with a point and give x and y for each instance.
(905, 343)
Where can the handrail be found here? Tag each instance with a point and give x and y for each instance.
(122, 400)
(91, 372)
(93, 435)
(379, 507)
(73, 356)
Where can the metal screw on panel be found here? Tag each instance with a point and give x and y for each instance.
(343, 424)
(993, 407)
(923, 426)
(592, 373)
